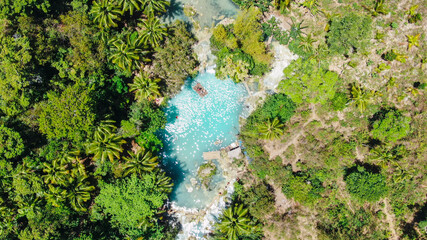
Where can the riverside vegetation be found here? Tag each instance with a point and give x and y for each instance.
(338, 152)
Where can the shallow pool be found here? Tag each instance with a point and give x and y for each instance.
(209, 11)
(194, 125)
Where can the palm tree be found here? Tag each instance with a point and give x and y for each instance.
(124, 55)
(281, 5)
(155, 6)
(307, 43)
(234, 222)
(383, 155)
(79, 193)
(105, 13)
(130, 5)
(163, 182)
(271, 129)
(413, 40)
(105, 145)
(56, 173)
(140, 163)
(56, 195)
(360, 97)
(144, 88)
(153, 31)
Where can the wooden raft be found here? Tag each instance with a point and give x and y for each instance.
(200, 90)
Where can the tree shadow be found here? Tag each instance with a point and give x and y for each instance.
(175, 9)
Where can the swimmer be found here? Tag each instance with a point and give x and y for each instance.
(176, 117)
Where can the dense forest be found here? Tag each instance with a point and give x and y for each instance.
(338, 151)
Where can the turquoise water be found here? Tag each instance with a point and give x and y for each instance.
(208, 10)
(194, 124)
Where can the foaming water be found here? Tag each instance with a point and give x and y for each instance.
(194, 125)
(209, 11)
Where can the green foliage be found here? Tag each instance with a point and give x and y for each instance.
(390, 126)
(152, 31)
(259, 198)
(306, 81)
(339, 102)
(304, 187)
(271, 129)
(271, 28)
(144, 88)
(140, 162)
(11, 144)
(127, 53)
(175, 60)
(364, 185)
(349, 34)
(414, 17)
(68, 115)
(105, 13)
(340, 222)
(132, 202)
(235, 223)
(248, 30)
(14, 8)
(105, 143)
(360, 97)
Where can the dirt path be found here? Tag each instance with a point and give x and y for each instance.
(277, 148)
(390, 220)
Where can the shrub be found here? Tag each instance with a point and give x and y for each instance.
(11, 144)
(339, 102)
(350, 33)
(364, 185)
(303, 187)
(390, 126)
(306, 81)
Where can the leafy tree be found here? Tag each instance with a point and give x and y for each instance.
(235, 223)
(175, 60)
(306, 81)
(105, 144)
(236, 70)
(303, 187)
(391, 126)
(248, 31)
(68, 115)
(131, 201)
(105, 13)
(271, 129)
(13, 8)
(152, 31)
(350, 33)
(140, 162)
(144, 87)
(11, 144)
(364, 185)
(86, 55)
(339, 102)
(15, 71)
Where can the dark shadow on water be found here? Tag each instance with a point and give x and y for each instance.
(172, 166)
(172, 114)
(175, 9)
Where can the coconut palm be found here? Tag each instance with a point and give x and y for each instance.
(140, 162)
(56, 173)
(271, 129)
(155, 6)
(125, 55)
(56, 195)
(413, 40)
(105, 13)
(163, 182)
(307, 43)
(144, 87)
(153, 31)
(234, 222)
(130, 5)
(360, 97)
(79, 193)
(105, 144)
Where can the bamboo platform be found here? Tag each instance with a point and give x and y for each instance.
(200, 90)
